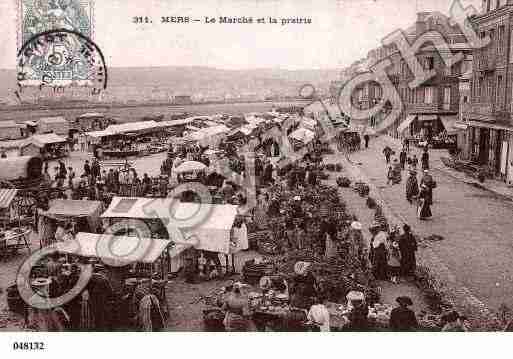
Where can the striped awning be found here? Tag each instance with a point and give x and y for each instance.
(6, 197)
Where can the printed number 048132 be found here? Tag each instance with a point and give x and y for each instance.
(28, 346)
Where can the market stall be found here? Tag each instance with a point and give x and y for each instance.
(58, 125)
(189, 171)
(125, 288)
(10, 130)
(13, 236)
(22, 172)
(215, 233)
(209, 136)
(84, 216)
(133, 215)
(49, 146)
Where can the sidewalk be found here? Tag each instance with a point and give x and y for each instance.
(475, 259)
(498, 187)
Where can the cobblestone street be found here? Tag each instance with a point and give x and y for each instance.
(476, 224)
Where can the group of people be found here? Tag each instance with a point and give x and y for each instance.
(421, 192)
(392, 255)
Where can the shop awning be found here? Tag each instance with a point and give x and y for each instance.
(460, 125)
(497, 125)
(121, 249)
(406, 123)
(448, 122)
(6, 197)
(427, 117)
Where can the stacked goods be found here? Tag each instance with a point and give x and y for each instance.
(362, 188)
(255, 238)
(379, 219)
(252, 272)
(335, 276)
(343, 182)
(338, 167)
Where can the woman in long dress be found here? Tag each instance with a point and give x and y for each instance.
(412, 186)
(424, 206)
(379, 256)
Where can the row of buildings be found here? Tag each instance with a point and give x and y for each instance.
(469, 104)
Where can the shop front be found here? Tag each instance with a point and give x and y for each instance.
(491, 148)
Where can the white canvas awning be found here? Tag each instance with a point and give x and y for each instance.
(205, 224)
(99, 134)
(406, 123)
(46, 139)
(212, 233)
(122, 249)
(449, 122)
(131, 127)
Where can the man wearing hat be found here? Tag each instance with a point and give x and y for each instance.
(402, 318)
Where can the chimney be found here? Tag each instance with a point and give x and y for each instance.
(421, 25)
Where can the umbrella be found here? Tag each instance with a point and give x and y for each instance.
(190, 166)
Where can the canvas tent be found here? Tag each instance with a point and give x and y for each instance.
(211, 233)
(209, 135)
(21, 167)
(59, 125)
(115, 248)
(10, 130)
(36, 143)
(134, 127)
(62, 209)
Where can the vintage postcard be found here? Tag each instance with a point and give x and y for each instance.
(255, 166)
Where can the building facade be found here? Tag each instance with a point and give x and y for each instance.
(490, 128)
(431, 109)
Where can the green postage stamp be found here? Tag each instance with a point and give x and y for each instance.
(54, 42)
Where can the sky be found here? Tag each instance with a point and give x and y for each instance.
(341, 31)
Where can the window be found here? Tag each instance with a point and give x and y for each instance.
(489, 92)
(500, 39)
(465, 99)
(488, 3)
(447, 71)
(403, 68)
(447, 98)
(428, 94)
(511, 102)
(498, 91)
(480, 90)
(429, 63)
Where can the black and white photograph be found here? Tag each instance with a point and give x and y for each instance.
(256, 166)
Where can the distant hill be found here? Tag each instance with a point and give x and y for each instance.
(190, 80)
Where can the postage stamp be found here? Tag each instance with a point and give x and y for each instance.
(37, 16)
(55, 46)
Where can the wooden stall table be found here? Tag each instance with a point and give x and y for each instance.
(13, 240)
